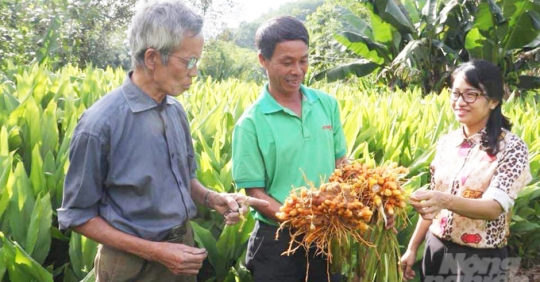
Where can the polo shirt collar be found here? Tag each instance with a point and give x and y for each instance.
(270, 105)
(137, 99)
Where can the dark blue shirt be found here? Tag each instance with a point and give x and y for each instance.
(131, 162)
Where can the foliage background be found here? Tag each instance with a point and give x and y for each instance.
(57, 57)
(39, 109)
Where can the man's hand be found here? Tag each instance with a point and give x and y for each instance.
(178, 258)
(233, 205)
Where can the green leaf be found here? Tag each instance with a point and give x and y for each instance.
(533, 44)
(233, 239)
(38, 241)
(359, 68)
(496, 12)
(480, 47)
(4, 144)
(50, 130)
(390, 12)
(3, 263)
(447, 16)
(423, 161)
(5, 170)
(32, 116)
(15, 138)
(8, 103)
(49, 42)
(20, 265)
(49, 169)
(205, 240)
(366, 133)
(383, 31)
(359, 25)
(521, 23)
(351, 128)
(242, 272)
(91, 277)
(225, 177)
(524, 226)
(412, 60)
(483, 20)
(412, 11)
(36, 172)
(429, 12)
(5, 196)
(82, 252)
(21, 204)
(57, 234)
(364, 47)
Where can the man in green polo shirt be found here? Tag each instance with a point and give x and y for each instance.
(290, 134)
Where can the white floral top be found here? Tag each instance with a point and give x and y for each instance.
(463, 168)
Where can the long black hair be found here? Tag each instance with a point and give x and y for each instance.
(485, 76)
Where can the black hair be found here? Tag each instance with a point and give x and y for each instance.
(485, 76)
(277, 30)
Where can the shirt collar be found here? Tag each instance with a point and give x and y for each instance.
(459, 137)
(269, 104)
(137, 99)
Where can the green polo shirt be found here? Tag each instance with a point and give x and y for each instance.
(275, 149)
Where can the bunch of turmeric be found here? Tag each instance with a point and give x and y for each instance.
(319, 215)
(355, 199)
(380, 186)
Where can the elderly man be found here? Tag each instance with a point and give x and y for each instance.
(131, 183)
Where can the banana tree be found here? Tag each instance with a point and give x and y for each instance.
(508, 33)
(418, 42)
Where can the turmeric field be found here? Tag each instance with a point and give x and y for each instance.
(40, 108)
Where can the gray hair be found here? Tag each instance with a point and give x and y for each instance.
(161, 25)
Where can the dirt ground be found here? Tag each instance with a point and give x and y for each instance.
(528, 275)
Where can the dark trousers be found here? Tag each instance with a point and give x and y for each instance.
(266, 263)
(447, 261)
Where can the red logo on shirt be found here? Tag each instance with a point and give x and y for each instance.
(471, 238)
(327, 127)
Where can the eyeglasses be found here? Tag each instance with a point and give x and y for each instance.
(191, 63)
(468, 97)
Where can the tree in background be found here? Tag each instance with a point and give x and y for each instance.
(80, 32)
(222, 60)
(323, 24)
(231, 53)
(214, 13)
(418, 42)
(61, 32)
(244, 35)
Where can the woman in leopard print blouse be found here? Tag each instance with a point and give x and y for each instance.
(476, 174)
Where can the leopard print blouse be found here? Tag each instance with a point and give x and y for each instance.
(461, 167)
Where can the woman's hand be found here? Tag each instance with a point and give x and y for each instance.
(407, 262)
(429, 203)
